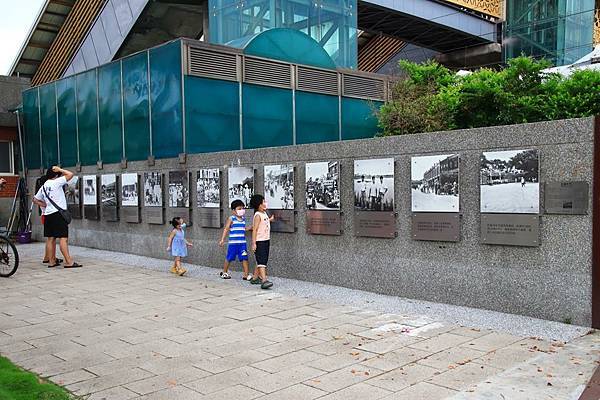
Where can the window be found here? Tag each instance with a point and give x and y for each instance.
(6, 158)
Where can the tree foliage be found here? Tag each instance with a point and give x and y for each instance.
(432, 98)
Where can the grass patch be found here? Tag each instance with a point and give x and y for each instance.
(17, 384)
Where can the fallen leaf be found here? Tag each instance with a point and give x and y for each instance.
(172, 382)
(354, 353)
(549, 384)
(367, 373)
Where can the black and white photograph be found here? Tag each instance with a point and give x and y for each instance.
(153, 189)
(510, 182)
(108, 193)
(72, 191)
(129, 190)
(90, 190)
(179, 196)
(374, 184)
(323, 185)
(208, 188)
(240, 184)
(279, 186)
(435, 183)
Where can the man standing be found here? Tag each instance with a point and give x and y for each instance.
(51, 197)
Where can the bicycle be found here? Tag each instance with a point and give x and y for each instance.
(9, 257)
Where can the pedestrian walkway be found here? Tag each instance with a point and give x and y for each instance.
(118, 330)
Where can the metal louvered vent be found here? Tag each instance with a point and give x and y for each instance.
(267, 73)
(212, 64)
(364, 87)
(316, 80)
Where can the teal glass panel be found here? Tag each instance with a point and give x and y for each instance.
(558, 30)
(358, 118)
(316, 118)
(165, 87)
(87, 117)
(135, 107)
(212, 116)
(67, 121)
(267, 116)
(31, 122)
(109, 113)
(49, 131)
(331, 23)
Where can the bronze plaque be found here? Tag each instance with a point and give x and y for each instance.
(110, 213)
(209, 217)
(181, 212)
(285, 221)
(131, 214)
(154, 215)
(439, 227)
(75, 210)
(379, 224)
(91, 212)
(510, 229)
(566, 198)
(323, 222)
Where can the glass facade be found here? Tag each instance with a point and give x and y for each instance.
(332, 23)
(139, 106)
(558, 30)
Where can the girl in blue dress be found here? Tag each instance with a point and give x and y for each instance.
(177, 245)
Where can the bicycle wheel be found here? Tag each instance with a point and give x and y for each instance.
(9, 258)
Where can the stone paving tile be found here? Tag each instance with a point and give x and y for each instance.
(288, 360)
(389, 344)
(240, 359)
(360, 391)
(108, 381)
(491, 341)
(439, 343)
(423, 391)
(342, 378)
(341, 360)
(237, 392)
(116, 393)
(72, 377)
(291, 345)
(159, 382)
(395, 359)
(450, 358)
(217, 382)
(464, 376)
(287, 377)
(506, 357)
(403, 377)
(173, 393)
(295, 392)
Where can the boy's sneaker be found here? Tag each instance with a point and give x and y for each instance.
(255, 281)
(225, 275)
(266, 285)
(248, 278)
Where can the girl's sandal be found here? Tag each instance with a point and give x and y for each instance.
(181, 271)
(57, 264)
(74, 265)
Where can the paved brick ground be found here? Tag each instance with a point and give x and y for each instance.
(118, 332)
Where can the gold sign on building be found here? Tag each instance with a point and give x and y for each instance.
(597, 23)
(490, 7)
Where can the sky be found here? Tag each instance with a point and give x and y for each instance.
(15, 23)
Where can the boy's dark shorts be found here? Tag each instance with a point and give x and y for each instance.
(262, 253)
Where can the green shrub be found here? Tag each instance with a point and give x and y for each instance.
(431, 97)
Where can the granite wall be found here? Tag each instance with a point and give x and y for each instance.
(552, 281)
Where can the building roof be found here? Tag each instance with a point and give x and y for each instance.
(54, 37)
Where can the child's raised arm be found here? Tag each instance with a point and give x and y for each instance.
(225, 232)
(255, 224)
(170, 239)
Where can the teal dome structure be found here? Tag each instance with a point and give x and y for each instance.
(286, 44)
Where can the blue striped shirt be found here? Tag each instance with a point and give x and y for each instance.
(237, 231)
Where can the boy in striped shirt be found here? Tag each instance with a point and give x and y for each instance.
(235, 227)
